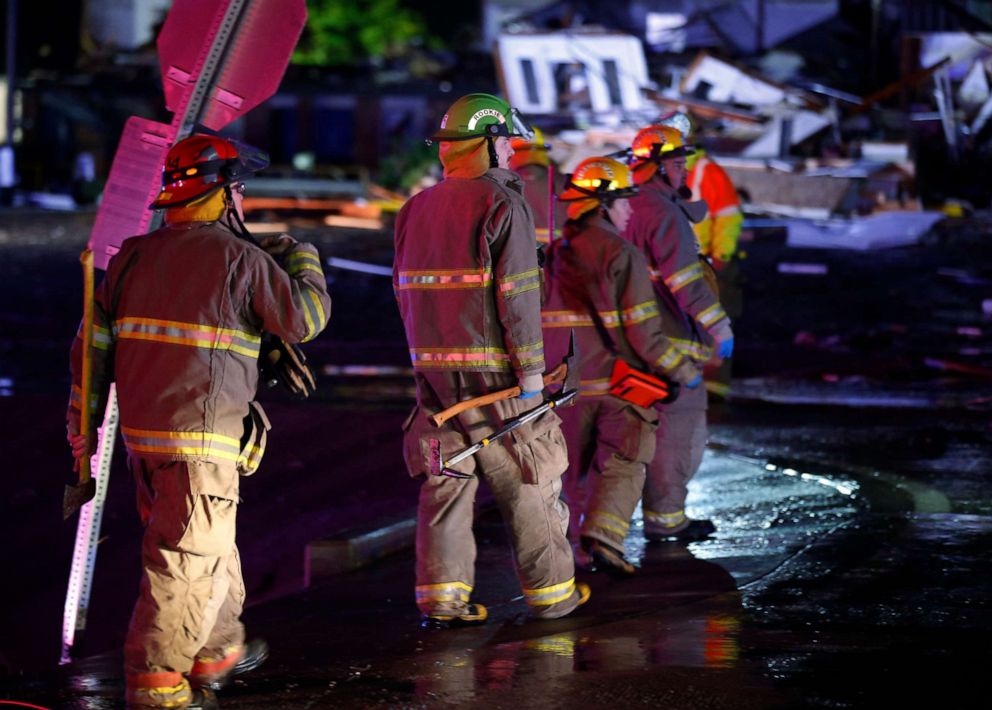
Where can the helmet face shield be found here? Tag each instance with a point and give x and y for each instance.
(520, 127)
(250, 160)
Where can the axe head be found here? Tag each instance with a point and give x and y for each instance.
(574, 376)
(75, 497)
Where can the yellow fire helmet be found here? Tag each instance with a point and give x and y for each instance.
(596, 181)
(654, 144)
(532, 151)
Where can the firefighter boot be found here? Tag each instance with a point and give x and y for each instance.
(608, 558)
(690, 531)
(584, 591)
(148, 691)
(473, 615)
(215, 673)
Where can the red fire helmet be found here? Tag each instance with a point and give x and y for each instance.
(198, 165)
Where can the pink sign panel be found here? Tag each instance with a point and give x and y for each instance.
(183, 44)
(256, 59)
(252, 66)
(134, 182)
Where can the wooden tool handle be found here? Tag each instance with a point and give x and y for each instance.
(553, 377)
(86, 378)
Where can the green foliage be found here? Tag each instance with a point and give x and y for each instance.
(403, 168)
(346, 32)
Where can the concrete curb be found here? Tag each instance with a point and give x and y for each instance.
(358, 547)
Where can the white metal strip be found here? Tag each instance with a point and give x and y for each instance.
(77, 599)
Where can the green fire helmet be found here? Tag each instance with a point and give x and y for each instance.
(481, 116)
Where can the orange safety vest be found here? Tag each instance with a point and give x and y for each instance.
(719, 232)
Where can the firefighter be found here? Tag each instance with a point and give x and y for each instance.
(661, 227)
(178, 324)
(532, 162)
(598, 286)
(468, 287)
(718, 234)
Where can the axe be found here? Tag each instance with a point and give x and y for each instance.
(78, 495)
(559, 374)
(569, 391)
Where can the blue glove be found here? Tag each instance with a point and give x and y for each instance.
(694, 382)
(531, 385)
(726, 348)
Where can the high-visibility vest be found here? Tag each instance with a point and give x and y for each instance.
(719, 231)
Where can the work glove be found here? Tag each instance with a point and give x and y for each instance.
(277, 244)
(531, 385)
(687, 374)
(724, 338)
(285, 364)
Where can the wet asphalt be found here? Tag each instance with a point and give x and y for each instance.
(850, 567)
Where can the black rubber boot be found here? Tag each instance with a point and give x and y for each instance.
(474, 615)
(203, 699)
(696, 530)
(255, 654)
(608, 558)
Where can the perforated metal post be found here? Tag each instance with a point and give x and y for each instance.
(77, 600)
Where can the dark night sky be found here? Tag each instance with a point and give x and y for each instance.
(48, 34)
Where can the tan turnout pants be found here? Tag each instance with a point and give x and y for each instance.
(609, 444)
(191, 594)
(523, 471)
(681, 438)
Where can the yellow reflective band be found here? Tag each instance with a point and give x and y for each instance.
(669, 359)
(609, 521)
(683, 278)
(102, 338)
(611, 319)
(594, 388)
(640, 313)
(443, 592)
(183, 443)
(520, 283)
(654, 274)
(303, 261)
(76, 398)
(424, 358)
(191, 334)
(712, 315)
(253, 459)
(444, 278)
(689, 348)
(313, 311)
(531, 353)
(546, 596)
(667, 520)
(565, 319)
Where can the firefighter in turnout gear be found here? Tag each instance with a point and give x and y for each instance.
(469, 288)
(178, 323)
(661, 227)
(718, 234)
(598, 286)
(532, 162)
